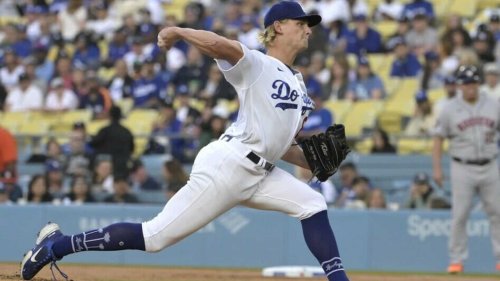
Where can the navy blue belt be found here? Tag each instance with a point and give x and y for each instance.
(479, 162)
(252, 156)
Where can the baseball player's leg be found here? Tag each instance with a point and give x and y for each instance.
(489, 192)
(280, 191)
(463, 182)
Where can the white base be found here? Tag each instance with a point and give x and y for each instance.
(293, 271)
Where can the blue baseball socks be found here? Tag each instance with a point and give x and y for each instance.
(321, 242)
(118, 236)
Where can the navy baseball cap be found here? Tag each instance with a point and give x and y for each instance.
(450, 80)
(289, 10)
(468, 74)
(421, 96)
(421, 178)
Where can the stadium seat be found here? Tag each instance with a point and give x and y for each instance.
(407, 88)
(38, 128)
(364, 146)
(386, 28)
(414, 146)
(143, 115)
(14, 119)
(361, 116)
(138, 127)
(378, 61)
(390, 121)
(338, 109)
(11, 127)
(464, 8)
(485, 4)
(94, 126)
(140, 144)
(436, 94)
(441, 7)
(81, 115)
(400, 106)
(125, 105)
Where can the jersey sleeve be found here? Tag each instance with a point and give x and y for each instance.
(246, 71)
(442, 127)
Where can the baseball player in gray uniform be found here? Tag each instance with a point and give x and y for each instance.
(471, 122)
(238, 168)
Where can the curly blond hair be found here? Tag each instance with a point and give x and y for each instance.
(267, 36)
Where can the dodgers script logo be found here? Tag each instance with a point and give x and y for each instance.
(288, 95)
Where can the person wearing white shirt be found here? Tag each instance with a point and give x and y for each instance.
(60, 99)
(332, 10)
(389, 10)
(104, 24)
(26, 97)
(249, 34)
(491, 86)
(9, 74)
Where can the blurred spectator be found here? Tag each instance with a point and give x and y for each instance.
(148, 88)
(318, 40)
(319, 70)
(78, 153)
(102, 178)
(120, 86)
(118, 46)
(72, 19)
(405, 63)
(336, 87)
(8, 157)
(422, 37)
(318, 120)
(402, 29)
(357, 7)
(212, 129)
(433, 75)
(367, 84)
(11, 70)
(334, 10)
(38, 191)
(363, 39)
(193, 73)
(117, 141)
(417, 5)
(175, 176)
(168, 125)
(359, 194)
(381, 143)
(421, 192)
(121, 193)
(53, 150)
(4, 196)
(26, 97)
(348, 172)
(87, 54)
(302, 64)
(30, 65)
(97, 98)
(455, 37)
(44, 68)
(54, 179)
(141, 180)
(326, 188)
(337, 32)
(103, 24)
(494, 25)
(12, 191)
(186, 114)
(422, 122)
(64, 69)
(146, 28)
(376, 199)
(491, 85)
(388, 10)
(80, 192)
(450, 88)
(216, 87)
(483, 45)
(137, 53)
(15, 38)
(3, 96)
(60, 99)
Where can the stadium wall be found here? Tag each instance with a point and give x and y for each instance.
(369, 240)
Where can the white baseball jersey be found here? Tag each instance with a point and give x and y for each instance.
(472, 129)
(273, 103)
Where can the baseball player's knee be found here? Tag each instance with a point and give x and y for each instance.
(314, 205)
(157, 243)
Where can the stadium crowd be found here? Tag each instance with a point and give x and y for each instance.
(99, 55)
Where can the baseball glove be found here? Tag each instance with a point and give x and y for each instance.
(325, 151)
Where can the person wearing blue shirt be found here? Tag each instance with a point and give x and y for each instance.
(148, 89)
(318, 120)
(405, 64)
(494, 25)
(118, 47)
(363, 39)
(410, 8)
(87, 53)
(367, 84)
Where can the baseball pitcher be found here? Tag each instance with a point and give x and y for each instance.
(238, 168)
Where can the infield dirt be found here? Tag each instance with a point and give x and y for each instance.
(9, 272)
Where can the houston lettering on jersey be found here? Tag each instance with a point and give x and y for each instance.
(476, 121)
(288, 95)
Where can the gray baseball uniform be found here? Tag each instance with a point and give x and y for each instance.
(473, 134)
